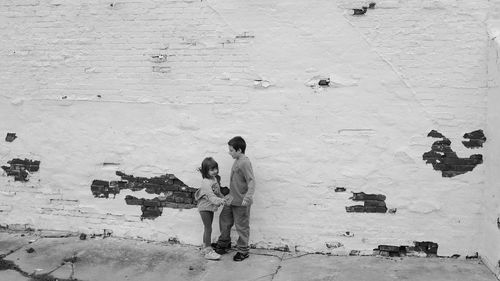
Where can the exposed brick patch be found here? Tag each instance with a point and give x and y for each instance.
(359, 12)
(476, 139)
(444, 159)
(373, 203)
(473, 257)
(324, 82)
(435, 134)
(174, 193)
(10, 137)
(430, 248)
(20, 169)
(425, 247)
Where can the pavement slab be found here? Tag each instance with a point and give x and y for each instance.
(11, 242)
(260, 266)
(111, 259)
(361, 268)
(12, 275)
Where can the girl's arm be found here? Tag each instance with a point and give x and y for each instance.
(206, 189)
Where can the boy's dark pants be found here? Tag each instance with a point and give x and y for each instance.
(239, 216)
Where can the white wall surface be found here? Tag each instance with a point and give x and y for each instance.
(403, 69)
(490, 247)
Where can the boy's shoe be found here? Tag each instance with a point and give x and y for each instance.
(212, 255)
(240, 256)
(218, 249)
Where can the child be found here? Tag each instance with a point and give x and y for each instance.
(209, 199)
(241, 188)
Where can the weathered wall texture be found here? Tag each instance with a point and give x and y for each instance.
(490, 247)
(151, 87)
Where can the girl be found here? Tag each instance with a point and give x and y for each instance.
(209, 199)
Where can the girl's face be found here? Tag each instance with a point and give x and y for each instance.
(213, 172)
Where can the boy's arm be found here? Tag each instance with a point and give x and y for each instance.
(250, 178)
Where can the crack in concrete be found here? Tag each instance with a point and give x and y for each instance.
(19, 248)
(10, 265)
(273, 275)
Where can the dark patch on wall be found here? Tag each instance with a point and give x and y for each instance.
(324, 82)
(19, 168)
(435, 134)
(359, 12)
(473, 257)
(476, 139)
(173, 193)
(429, 248)
(340, 189)
(10, 137)
(373, 203)
(444, 159)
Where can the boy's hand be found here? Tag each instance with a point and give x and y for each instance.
(246, 201)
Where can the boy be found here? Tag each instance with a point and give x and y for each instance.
(242, 188)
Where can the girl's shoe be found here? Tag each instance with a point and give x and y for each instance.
(212, 255)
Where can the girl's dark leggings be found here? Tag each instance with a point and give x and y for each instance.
(207, 217)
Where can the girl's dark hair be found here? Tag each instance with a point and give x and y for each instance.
(238, 143)
(206, 165)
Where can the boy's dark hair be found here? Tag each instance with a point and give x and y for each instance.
(206, 165)
(238, 143)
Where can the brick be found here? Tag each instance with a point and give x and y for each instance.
(355, 209)
(360, 196)
(389, 248)
(371, 209)
(183, 194)
(374, 203)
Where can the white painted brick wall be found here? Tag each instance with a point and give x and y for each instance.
(412, 66)
(490, 247)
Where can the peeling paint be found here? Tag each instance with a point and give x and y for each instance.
(444, 159)
(10, 137)
(426, 248)
(20, 169)
(173, 193)
(476, 139)
(373, 203)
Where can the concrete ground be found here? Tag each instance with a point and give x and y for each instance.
(50, 256)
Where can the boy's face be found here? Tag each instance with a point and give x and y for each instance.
(235, 154)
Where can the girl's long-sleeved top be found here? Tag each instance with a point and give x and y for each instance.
(209, 196)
